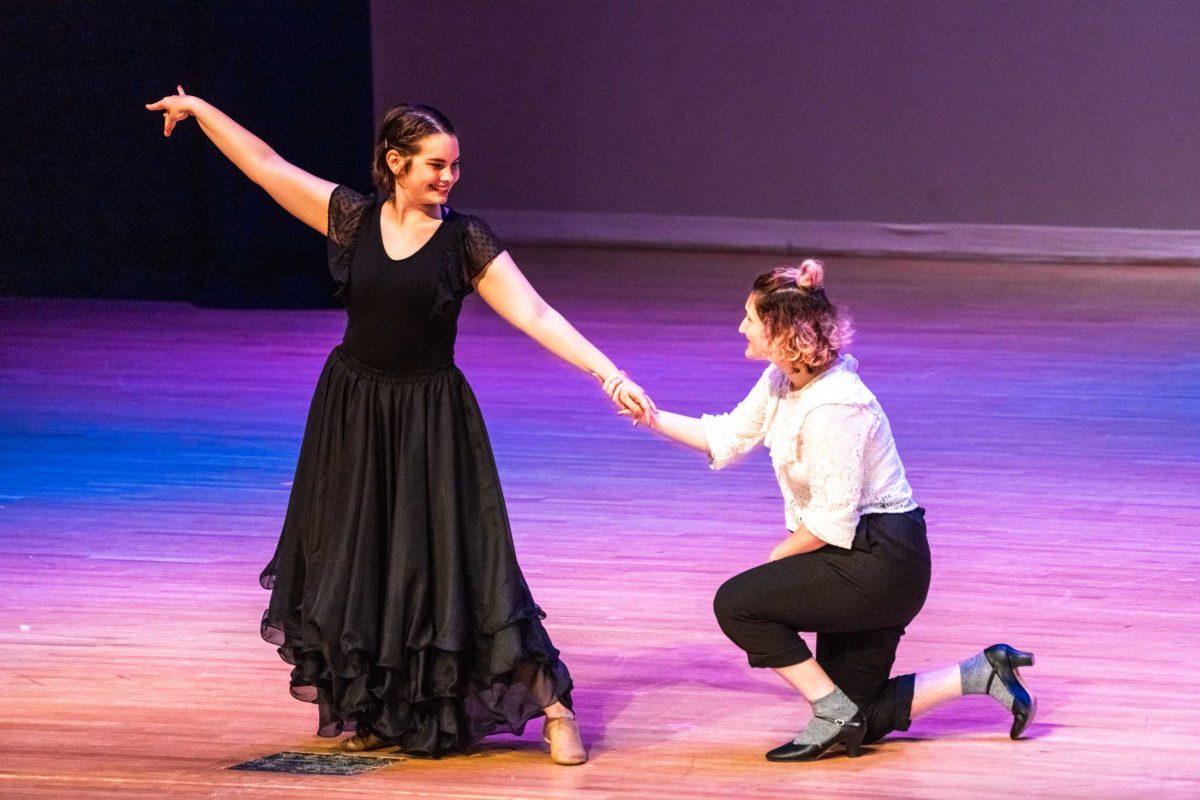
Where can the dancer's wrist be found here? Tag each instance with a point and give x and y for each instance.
(194, 105)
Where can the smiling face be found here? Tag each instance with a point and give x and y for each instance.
(758, 345)
(427, 176)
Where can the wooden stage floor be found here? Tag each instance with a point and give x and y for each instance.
(1049, 418)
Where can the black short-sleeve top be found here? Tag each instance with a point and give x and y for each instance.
(403, 313)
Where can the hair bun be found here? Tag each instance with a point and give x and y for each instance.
(810, 274)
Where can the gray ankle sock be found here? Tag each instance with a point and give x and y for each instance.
(976, 672)
(833, 706)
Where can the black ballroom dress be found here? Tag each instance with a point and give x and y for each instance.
(395, 589)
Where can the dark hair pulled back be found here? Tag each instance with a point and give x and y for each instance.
(402, 129)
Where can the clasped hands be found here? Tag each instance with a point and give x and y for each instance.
(630, 398)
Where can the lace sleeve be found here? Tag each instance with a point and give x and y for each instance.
(481, 246)
(834, 441)
(730, 436)
(347, 211)
(477, 248)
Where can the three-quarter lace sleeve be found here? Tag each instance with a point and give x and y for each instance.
(347, 212)
(730, 436)
(835, 440)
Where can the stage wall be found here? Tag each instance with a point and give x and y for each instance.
(1024, 113)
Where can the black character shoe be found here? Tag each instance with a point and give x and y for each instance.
(1006, 661)
(850, 732)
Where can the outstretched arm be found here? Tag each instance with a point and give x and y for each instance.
(683, 429)
(724, 438)
(302, 195)
(505, 289)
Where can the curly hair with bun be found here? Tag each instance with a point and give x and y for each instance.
(799, 320)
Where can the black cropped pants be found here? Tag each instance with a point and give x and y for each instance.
(857, 601)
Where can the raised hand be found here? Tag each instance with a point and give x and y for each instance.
(175, 108)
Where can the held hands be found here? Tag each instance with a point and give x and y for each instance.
(631, 399)
(175, 108)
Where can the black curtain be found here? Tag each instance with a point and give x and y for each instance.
(98, 204)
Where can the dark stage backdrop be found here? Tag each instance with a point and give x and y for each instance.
(1023, 112)
(97, 203)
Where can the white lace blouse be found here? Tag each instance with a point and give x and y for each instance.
(831, 447)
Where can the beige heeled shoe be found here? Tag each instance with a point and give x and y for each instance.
(562, 734)
(359, 743)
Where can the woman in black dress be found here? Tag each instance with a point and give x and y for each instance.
(395, 589)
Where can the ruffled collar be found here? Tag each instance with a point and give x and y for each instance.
(846, 365)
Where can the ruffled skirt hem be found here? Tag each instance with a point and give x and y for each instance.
(437, 701)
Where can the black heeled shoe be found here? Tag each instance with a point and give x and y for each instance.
(1006, 661)
(850, 732)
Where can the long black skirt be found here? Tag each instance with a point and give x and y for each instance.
(395, 589)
